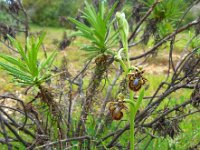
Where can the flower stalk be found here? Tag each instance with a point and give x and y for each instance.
(123, 28)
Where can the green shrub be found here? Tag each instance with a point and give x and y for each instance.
(47, 13)
(27, 70)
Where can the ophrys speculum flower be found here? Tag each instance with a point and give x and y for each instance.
(116, 108)
(136, 80)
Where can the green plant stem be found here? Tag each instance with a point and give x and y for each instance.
(133, 110)
(130, 102)
(123, 66)
(132, 122)
(127, 56)
(123, 30)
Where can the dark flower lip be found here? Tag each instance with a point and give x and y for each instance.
(117, 115)
(116, 108)
(136, 80)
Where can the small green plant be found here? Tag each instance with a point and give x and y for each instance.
(164, 18)
(166, 10)
(27, 69)
(97, 30)
(136, 79)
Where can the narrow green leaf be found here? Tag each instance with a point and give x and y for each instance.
(30, 56)
(15, 62)
(41, 38)
(101, 9)
(110, 13)
(20, 78)
(140, 98)
(80, 25)
(19, 48)
(48, 61)
(15, 72)
(90, 48)
(90, 10)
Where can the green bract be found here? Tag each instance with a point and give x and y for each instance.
(123, 26)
